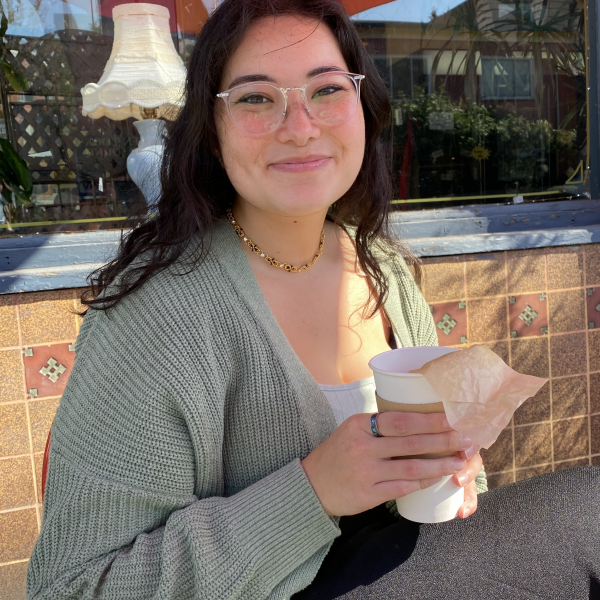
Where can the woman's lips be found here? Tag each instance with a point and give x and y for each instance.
(301, 166)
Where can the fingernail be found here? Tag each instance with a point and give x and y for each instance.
(466, 513)
(463, 479)
(470, 452)
(459, 465)
(466, 441)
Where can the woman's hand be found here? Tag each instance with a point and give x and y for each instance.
(466, 479)
(353, 471)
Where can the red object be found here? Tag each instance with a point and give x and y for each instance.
(355, 6)
(406, 163)
(45, 462)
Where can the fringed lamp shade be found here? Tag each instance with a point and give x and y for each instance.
(144, 70)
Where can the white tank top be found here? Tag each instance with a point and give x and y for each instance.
(348, 399)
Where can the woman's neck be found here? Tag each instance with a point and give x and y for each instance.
(293, 240)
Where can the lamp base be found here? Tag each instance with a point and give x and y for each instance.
(144, 163)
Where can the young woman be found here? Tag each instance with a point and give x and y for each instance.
(217, 423)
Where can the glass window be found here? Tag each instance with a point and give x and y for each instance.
(78, 164)
(489, 98)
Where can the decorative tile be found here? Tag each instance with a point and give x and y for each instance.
(570, 438)
(568, 354)
(444, 279)
(488, 320)
(592, 300)
(501, 349)
(41, 415)
(526, 271)
(530, 472)
(595, 430)
(450, 319)
(47, 317)
(16, 488)
(592, 264)
(571, 464)
(528, 315)
(499, 456)
(12, 581)
(47, 370)
(11, 370)
(497, 480)
(530, 356)
(533, 445)
(594, 345)
(534, 409)
(565, 267)
(569, 397)
(18, 532)
(567, 311)
(485, 275)
(9, 332)
(594, 393)
(14, 438)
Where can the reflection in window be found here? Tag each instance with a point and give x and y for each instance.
(489, 98)
(506, 78)
(36, 18)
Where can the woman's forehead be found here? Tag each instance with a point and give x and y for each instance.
(284, 48)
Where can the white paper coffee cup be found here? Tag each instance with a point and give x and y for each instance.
(400, 390)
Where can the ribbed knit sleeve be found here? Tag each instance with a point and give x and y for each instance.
(104, 540)
(143, 500)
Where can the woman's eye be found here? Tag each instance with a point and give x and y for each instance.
(327, 90)
(253, 99)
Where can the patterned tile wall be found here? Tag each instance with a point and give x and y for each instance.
(37, 333)
(540, 311)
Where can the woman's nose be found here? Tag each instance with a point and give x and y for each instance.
(297, 124)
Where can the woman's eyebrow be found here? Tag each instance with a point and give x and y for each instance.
(254, 77)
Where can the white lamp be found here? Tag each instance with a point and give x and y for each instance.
(144, 78)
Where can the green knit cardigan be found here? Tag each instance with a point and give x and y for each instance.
(174, 471)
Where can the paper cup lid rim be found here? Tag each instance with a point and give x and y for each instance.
(393, 373)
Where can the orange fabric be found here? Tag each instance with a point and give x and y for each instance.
(355, 6)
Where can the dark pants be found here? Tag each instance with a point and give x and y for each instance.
(538, 538)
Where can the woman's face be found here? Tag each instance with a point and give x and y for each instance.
(302, 167)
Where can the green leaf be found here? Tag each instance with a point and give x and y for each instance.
(14, 169)
(3, 26)
(6, 196)
(21, 196)
(17, 80)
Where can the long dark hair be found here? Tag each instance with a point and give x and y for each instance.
(195, 187)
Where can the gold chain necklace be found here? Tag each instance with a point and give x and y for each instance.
(269, 259)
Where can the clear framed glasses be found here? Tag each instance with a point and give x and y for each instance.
(259, 108)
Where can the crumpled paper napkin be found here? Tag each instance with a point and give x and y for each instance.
(479, 390)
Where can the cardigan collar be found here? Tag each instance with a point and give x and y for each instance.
(313, 405)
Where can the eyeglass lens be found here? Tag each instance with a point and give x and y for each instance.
(257, 108)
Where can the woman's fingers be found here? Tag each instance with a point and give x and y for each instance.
(412, 445)
(472, 469)
(469, 506)
(394, 424)
(415, 469)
